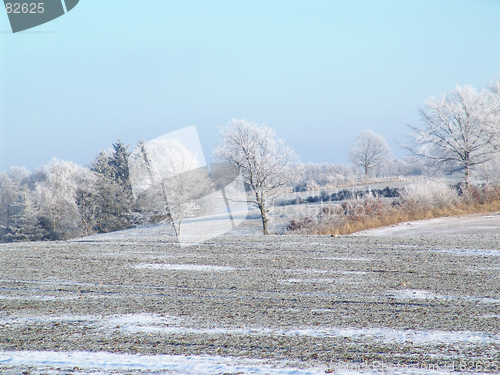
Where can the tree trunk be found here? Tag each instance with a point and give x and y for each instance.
(263, 214)
(467, 176)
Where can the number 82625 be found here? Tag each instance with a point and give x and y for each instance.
(24, 8)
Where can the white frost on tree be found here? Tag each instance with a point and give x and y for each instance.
(369, 151)
(263, 160)
(459, 131)
(55, 195)
(166, 178)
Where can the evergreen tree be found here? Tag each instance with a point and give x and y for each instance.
(106, 206)
(119, 163)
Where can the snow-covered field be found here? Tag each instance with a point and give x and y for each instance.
(252, 305)
(487, 224)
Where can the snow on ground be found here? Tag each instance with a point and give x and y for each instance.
(292, 281)
(196, 230)
(248, 223)
(169, 325)
(185, 267)
(37, 298)
(151, 323)
(210, 268)
(172, 325)
(312, 270)
(491, 253)
(171, 364)
(326, 280)
(464, 225)
(80, 362)
(423, 294)
(348, 258)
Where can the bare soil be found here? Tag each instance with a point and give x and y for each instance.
(59, 296)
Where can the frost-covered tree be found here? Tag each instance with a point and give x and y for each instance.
(312, 176)
(166, 180)
(494, 86)
(55, 194)
(41, 205)
(106, 204)
(369, 151)
(114, 164)
(18, 220)
(263, 160)
(489, 171)
(459, 131)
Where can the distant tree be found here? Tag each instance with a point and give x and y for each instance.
(114, 164)
(62, 200)
(263, 160)
(489, 171)
(119, 164)
(369, 151)
(55, 193)
(18, 220)
(88, 208)
(166, 181)
(106, 204)
(41, 205)
(460, 130)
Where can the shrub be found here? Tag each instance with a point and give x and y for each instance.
(359, 208)
(347, 217)
(300, 224)
(428, 195)
(482, 194)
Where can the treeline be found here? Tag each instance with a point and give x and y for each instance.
(63, 200)
(315, 176)
(342, 195)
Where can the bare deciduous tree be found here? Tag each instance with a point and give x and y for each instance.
(263, 161)
(459, 131)
(167, 180)
(369, 150)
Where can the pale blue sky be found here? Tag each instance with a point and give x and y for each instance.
(316, 71)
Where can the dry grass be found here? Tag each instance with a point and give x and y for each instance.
(370, 212)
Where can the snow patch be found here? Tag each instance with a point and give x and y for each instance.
(173, 364)
(37, 298)
(490, 316)
(184, 267)
(172, 325)
(167, 325)
(49, 319)
(312, 270)
(347, 258)
(423, 294)
(493, 253)
(413, 293)
(296, 281)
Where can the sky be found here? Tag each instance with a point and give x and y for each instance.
(316, 71)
